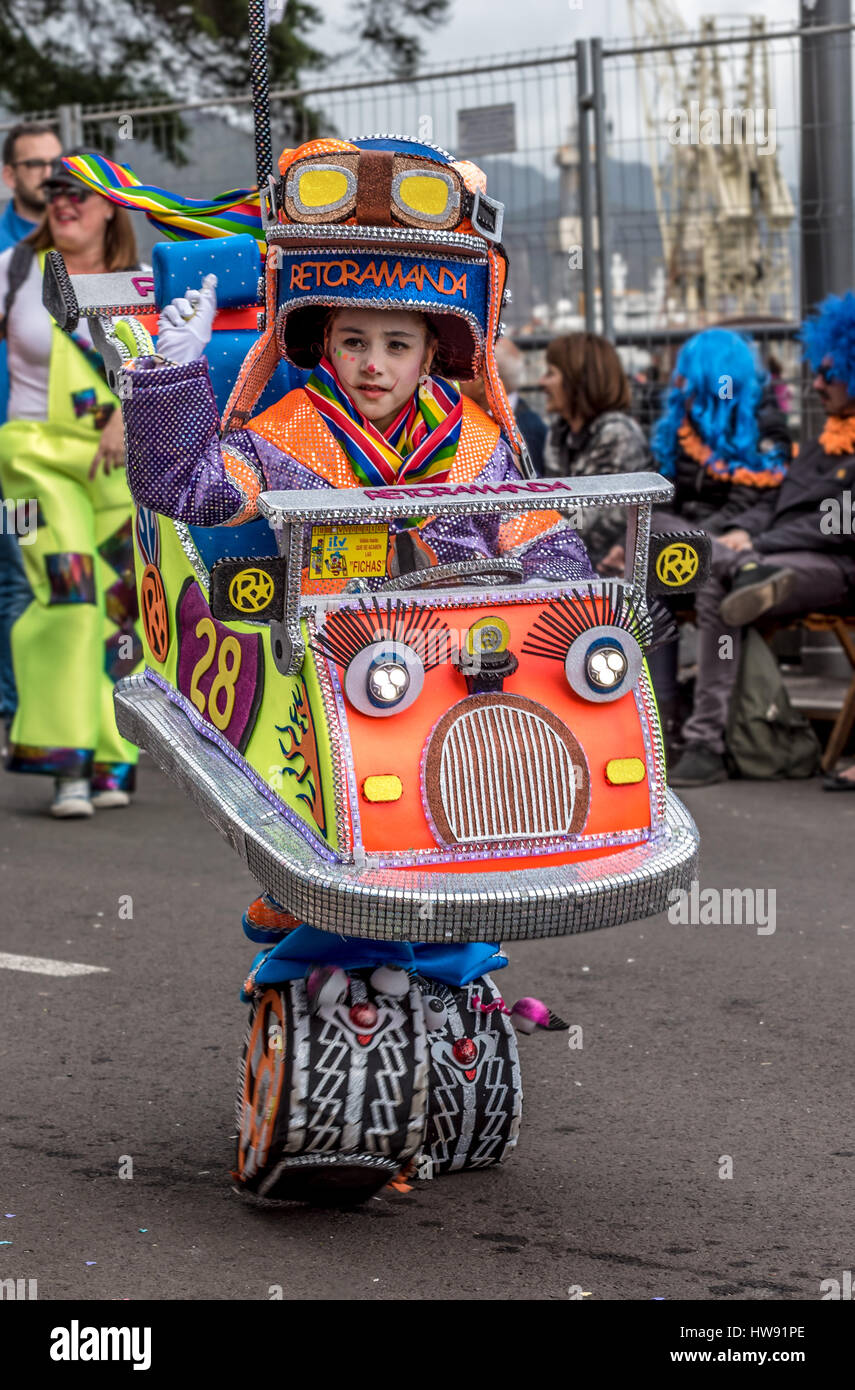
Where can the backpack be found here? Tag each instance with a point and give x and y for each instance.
(19, 269)
(766, 738)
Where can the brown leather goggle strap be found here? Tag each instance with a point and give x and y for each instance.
(374, 188)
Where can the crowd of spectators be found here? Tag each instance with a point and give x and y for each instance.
(718, 426)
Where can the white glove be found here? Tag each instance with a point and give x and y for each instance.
(185, 326)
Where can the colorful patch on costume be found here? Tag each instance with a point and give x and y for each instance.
(84, 402)
(154, 613)
(118, 551)
(299, 745)
(114, 777)
(123, 653)
(71, 577)
(219, 670)
(121, 602)
(50, 762)
(147, 532)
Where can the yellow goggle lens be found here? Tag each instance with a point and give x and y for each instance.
(320, 188)
(422, 194)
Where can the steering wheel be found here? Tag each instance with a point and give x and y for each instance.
(483, 572)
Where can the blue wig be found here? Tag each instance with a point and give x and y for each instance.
(719, 394)
(831, 333)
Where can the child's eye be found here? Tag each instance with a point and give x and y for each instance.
(355, 344)
(398, 347)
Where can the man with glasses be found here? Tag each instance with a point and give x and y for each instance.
(791, 552)
(28, 153)
(29, 150)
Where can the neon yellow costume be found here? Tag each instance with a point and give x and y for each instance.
(77, 637)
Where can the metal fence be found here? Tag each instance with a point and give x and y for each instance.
(627, 211)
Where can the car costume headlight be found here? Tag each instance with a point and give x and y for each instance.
(601, 633)
(603, 664)
(384, 678)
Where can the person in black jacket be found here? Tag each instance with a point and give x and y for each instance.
(792, 551)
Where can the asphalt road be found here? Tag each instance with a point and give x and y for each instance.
(699, 1043)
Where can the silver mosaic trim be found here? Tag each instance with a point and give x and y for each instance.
(393, 237)
(402, 905)
(651, 726)
(188, 545)
(340, 717)
(354, 505)
(344, 834)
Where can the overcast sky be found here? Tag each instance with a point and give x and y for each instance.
(508, 26)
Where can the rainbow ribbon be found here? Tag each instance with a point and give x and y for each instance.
(179, 219)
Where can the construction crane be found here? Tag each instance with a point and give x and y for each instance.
(723, 205)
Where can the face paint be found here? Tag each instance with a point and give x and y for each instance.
(380, 368)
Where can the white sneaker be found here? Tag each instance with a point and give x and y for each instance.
(108, 798)
(71, 799)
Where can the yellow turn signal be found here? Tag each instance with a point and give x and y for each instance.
(387, 788)
(623, 772)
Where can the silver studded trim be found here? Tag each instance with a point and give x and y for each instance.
(344, 234)
(332, 709)
(188, 545)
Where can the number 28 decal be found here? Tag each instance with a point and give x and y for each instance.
(219, 671)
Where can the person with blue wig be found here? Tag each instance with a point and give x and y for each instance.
(791, 551)
(721, 439)
(723, 442)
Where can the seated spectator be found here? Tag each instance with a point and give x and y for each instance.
(648, 391)
(509, 361)
(780, 556)
(721, 444)
(782, 393)
(587, 390)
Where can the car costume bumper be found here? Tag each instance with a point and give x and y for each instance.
(402, 904)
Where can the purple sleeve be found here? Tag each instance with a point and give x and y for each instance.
(174, 460)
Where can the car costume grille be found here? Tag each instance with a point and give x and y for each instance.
(503, 767)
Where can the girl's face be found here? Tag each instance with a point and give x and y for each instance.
(552, 383)
(379, 356)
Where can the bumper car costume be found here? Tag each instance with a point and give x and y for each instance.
(423, 723)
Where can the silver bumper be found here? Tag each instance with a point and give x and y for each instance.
(404, 904)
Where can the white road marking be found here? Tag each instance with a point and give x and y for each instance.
(38, 965)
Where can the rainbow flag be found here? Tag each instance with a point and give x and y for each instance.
(179, 219)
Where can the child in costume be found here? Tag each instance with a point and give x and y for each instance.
(375, 1035)
(386, 334)
(77, 636)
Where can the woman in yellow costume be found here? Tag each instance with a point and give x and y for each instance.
(62, 465)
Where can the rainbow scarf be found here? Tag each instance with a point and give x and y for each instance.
(179, 219)
(420, 442)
